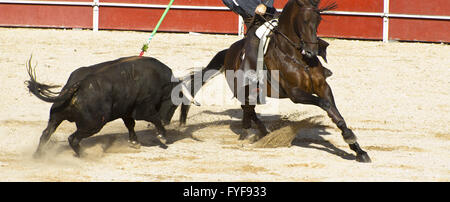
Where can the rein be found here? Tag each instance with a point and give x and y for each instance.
(302, 64)
(296, 46)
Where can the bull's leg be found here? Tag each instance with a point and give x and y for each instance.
(82, 132)
(327, 103)
(74, 142)
(53, 123)
(160, 128)
(132, 138)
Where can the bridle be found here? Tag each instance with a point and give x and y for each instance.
(300, 46)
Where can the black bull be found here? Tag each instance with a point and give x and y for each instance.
(132, 88)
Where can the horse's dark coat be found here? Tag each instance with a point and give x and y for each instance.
(293, 52)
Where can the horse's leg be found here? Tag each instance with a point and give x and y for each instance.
(246, 120)
(132, 138)
(329, 106)
(261, 127)
(250, 115)
(326, 102)
(298, 95)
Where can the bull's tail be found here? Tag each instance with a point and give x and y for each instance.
(44, 92)
(217, 63)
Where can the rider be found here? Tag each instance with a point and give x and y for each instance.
(249, 9)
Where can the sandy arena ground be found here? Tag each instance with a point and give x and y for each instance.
(394, 96)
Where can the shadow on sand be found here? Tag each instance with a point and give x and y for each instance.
(308, 133)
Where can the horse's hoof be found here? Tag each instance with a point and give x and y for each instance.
(251, 135)
(134, 144)
(363, 158)
(162, 139)
(252, 138)
(349, 136)
(245, 133)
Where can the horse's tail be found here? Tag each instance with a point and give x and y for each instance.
(44, 92)
(217, 63)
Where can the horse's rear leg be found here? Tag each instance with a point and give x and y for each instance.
(53, 123)
(327, 103)
(250, 115)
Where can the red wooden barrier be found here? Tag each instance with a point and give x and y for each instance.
(420, 7)
(45, 16)
(420, 29)
(176, 20)
(176, 2)
(353, 25)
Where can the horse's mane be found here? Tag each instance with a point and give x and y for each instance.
(330, 6)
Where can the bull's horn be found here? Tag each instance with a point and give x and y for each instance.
(188, 95)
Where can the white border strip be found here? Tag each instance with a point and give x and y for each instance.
(126, 5)
(96, 4)
(353, 13)
(217, 8)
(62, 3)
(430, 17)
(221, 8)
(95, 16)
(386, 21)
(390, 15)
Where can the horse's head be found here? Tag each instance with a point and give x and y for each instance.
(306, 20)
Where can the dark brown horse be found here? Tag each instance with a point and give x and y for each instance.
(293, 53)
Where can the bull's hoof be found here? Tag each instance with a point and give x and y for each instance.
(134, 144)
(37, 155)
(162, 139)
(363, 158)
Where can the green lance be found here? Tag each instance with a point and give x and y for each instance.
(145, 46)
